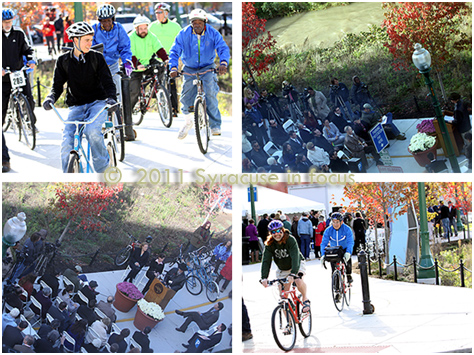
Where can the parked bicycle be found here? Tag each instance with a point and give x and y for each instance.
(201, 120)
(199, 275)
(123, 256)
(19, 112)
(157, 92)
(78, 156)
(287, 314)
(340, 286)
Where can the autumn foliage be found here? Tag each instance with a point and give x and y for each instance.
(82, 203)
(258, 45)
(435, 25)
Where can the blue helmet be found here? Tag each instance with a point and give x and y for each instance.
(337, 215)
(274, 225)
(7, 14)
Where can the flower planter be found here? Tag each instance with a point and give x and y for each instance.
(123, 303)
(142, 320)
(422, 157)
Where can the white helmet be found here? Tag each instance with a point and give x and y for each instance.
(198, 14)
(163, 6)
(79, 29)
(141, 20)
(105, 11)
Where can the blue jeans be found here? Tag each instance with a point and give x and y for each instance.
(93, 132)
(390, 124)
(305, 245)
(189, 92)
(114, 68)
(445, 224)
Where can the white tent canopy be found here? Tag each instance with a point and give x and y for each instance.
(269, 201)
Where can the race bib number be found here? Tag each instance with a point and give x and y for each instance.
(17, 79)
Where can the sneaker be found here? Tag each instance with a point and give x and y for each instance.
(401, 137)
(216, 131)
(6, 167)
(246, 336)
(183, 132)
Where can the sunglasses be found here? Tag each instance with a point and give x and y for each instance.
(158, 12)
(276, 231)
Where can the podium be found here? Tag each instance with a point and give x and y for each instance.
(159, 294)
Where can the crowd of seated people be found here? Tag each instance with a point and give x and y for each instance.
(301, 132)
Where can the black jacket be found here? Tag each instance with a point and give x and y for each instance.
(12, 336)
(52, 282)
(142, 340)
(174, 280)
(14, 47)
(86, 82)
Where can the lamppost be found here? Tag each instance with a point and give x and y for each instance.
(426, 272)
(422, 60)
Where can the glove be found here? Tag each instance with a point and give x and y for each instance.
(30, 62)
(128, 68)
(347, 256)
(48, 104)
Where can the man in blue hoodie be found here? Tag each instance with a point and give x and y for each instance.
(339, 234)
(305, 231)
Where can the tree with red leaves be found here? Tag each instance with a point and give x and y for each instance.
(82, 204)
(435, 25)
(258, 45)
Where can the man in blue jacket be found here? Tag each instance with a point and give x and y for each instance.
(197, 45)
(339, 234)
(116, 43)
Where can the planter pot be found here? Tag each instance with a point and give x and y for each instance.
(142, 320)
(123, 303)
(422, 157)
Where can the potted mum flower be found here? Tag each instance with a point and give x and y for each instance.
(148, 314)
(420, 145)
(126, 296)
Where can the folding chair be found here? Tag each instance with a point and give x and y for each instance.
(44, 284)
(37, 305)
(29, 329)
(107, 346)
(134, 344)
(83, 297)
(116, 329)
(127, 270)
(70, 340)
(289, 126)
(270, 148)
(83, 350)
(49, 318)
(94, 335)
(8, 307)
(99, 313)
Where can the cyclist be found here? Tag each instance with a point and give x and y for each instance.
(144, 45)
(116, 44)
(339, 234)
(282, 248)
(166, 31)
(90, 87)
(197, 45)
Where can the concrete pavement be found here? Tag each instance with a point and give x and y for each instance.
(408, 317)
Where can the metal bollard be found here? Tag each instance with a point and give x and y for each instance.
(38, 87)
(127, 110)
(368, 307)
(461, 269)
(395, 267)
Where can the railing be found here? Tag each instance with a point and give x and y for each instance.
(461, 268)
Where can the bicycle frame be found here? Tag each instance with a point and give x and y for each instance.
(290, 299)
(78, 148)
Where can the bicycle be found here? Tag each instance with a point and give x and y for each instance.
(76, 156)
(157, 91)
(201, 120)
(199, 275)
(113, 132)
(19, 112)
(124, 254)
(340, 287)
(287, 314)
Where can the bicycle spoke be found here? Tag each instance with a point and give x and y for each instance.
(283, 328)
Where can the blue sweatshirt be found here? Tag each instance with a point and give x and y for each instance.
(116, 43)
(343, 237)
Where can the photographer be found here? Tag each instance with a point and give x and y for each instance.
(318, 103)
(269, 102)
(339, 95)
(360, 93)
(289, 92)
(27, 255)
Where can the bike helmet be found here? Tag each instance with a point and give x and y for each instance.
(337, 215)
(79, 29)
(105, 11)
(284, 83)
(198, 14)
(7, 14)
(148, 239)
(274, 225)
(141, 20)
(163, 6)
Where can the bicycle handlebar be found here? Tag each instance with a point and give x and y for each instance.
(8, 71)
(107, 107)
(214, 70)
(281, 281)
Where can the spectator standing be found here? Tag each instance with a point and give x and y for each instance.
(319, 236)
(462, 121)
(452, 218)
(318, 103)
(305, 231)
(339, 96)
(359, 227)
(252, 233)
(444, 217)
(48, 33)
(59, 29)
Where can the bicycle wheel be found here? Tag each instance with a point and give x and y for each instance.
(283, 328)
(8, 117)
(112, 156)
(212, 291)
(122, 257)
(201, 124)
(347, 291)
(193, 285)
(27, 125)
(138, 112)
(73, 165)
(118, 138)
(163, 106)
(337, 294)
(306, 322)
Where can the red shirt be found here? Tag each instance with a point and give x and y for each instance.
(48, 30)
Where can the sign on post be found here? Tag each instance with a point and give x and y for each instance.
(254, 194)
(379, 137)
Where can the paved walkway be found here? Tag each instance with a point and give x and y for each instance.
(156, 147)
(408, 318)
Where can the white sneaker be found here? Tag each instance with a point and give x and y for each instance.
(183, 132)
(216, 131)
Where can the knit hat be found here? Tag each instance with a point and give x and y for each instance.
(368, 106)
